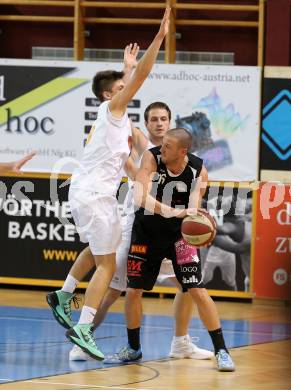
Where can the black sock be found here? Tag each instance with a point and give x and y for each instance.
(217, 340)
(133, 338)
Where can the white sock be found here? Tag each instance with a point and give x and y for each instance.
(178, 339)
(87, 315)
(70, 284)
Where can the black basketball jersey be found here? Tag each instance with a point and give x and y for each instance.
(172, 190)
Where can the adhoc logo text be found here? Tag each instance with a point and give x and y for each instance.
(21, 94)
(30, 124)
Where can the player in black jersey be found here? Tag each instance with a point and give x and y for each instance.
(157, 233)
(168, 187)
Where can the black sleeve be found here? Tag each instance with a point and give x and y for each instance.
(156, 151)
(196, 163)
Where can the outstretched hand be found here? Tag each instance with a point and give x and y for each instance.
(130, 54)
(17, 165)
(164, 27)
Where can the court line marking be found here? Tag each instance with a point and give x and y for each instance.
(90, 386)
(196, 327)
(163, 327)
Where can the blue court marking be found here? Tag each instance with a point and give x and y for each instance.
(33, 344)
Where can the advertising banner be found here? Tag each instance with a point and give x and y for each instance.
(38, 246)
(272, 251)
(49, 107)
(275, 159)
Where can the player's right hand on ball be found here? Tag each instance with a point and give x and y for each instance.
(182, 213)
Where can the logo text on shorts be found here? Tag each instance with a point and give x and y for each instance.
(139, 249)
(188, 269)
(192, 279)
(133, 267)
(185, 253)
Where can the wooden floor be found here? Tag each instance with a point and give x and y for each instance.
(261, 366)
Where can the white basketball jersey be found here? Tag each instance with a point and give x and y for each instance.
(100, 169)
(128, 205)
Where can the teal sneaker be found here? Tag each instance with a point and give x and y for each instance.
(82, 335)
(224, 361)
(125, 355)
(60, 302)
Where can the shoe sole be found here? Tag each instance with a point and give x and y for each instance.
(55, 313)
(114, 359)
(71, 333)
(190, 357)
(138, 359)
(80, 359)
(226, 369)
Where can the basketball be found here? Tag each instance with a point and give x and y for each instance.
(199, 229)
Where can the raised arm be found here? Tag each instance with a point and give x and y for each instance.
(15, 166)
(129, 60)
(138, 146)
(143, 180)
(139, 141)
(119, 102)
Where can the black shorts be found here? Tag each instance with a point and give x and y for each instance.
(147, 252)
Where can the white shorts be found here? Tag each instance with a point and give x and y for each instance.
(119, 280)
(97, 220)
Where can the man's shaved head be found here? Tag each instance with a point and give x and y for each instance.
(183, 136)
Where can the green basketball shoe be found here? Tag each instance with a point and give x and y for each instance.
(82, 335)
(60, 302)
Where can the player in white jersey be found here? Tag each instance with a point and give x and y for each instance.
(92, 194)
(157, 121)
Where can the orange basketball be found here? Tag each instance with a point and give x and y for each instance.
(199, 229)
